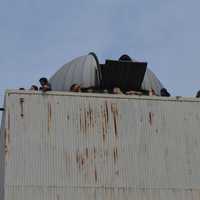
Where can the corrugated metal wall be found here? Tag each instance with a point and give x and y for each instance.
(101, 147)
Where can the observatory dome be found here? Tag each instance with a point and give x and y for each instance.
(81, 70)
(85, 71)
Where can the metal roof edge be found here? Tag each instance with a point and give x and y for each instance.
(103, 95)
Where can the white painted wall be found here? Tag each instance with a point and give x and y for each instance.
(83, 146)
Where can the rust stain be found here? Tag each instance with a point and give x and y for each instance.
(104, 120)
(6, 145)
(89, 116)
(7, 137)
(7, 142)
(77, 157)
(115, 154)
(8, 120)
(104, 136)
(106, 110)
(68, 160)
(156, 131)
(115, 126)
(87, 121)
(115, 114)
(80, 159)
(94, 153)
(87, 153)
(117, 172)
(106, 153)
(103, 126)
(84, 157)
(22, 107)
(49, 117)
(151, 115)
(82, 125)
(95, 175)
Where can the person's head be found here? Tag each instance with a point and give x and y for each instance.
(198, 94)
(43, 81)
(164, 92)
(117, 90)
(34, 87)
(125, 57)
(75, 88)
(152, 92)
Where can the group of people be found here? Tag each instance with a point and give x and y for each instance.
(45, 86)
(117, 90)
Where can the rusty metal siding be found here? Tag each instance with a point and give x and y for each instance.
(64, 146)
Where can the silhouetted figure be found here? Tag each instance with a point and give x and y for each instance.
(125, 57)
(198, 94)
(164, 92)
(34, 87)
(45, 85)
(75, 88)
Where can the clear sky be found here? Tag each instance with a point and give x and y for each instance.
(39, 36)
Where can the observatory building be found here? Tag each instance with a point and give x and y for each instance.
(62, 145)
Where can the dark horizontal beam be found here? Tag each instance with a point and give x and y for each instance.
(2, 109)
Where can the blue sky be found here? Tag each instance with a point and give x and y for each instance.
(37, 37)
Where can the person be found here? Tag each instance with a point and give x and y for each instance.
(131, 92)
(152, 92)
(34, 87)
(117, 90)
(125, 57)
(88, 90)
(164, 92)
(75, 88)
(45, 85)
(198, 94)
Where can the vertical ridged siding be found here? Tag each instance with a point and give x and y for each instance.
(101, 147)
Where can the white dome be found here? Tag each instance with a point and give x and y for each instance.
(151, 81)
(84, 71)
(81, 70)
